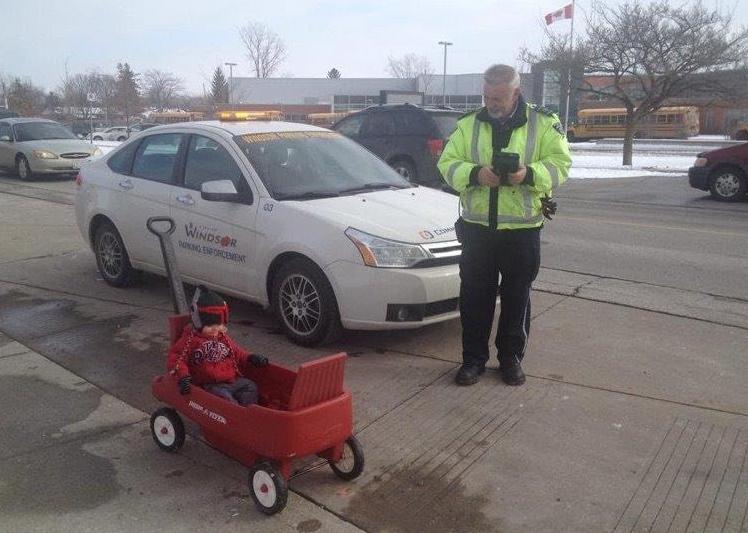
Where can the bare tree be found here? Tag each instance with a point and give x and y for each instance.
(264, 48)
(25, 98)
(411, 66)
(650, 54)
(161, 89)
(78, 93)
(106, 94)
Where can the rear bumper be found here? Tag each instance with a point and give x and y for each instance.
(698, 178)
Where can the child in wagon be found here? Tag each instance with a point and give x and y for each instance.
(205, 355)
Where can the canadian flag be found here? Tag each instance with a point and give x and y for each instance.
(565, 12)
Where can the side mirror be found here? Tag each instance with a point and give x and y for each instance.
(222, 191)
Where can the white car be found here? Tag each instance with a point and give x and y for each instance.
(118, 133)
(295, 217)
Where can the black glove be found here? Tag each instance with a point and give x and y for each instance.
(258, 360)
(548, 207)
(184, 384)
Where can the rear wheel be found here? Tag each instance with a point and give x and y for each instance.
(23, 170)
(111, 256)
(728, 184)
(98, 138)
(351, 464)
(167, 429)
(305, 304)
(268, 488)
(121, 138)
(406, 169)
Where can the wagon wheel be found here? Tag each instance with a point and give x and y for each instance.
(268, 488)
(167, 429)
(351, 464)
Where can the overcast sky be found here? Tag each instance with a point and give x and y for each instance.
(190, 38)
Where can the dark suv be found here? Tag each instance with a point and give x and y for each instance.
(722, 172)
(408, 137)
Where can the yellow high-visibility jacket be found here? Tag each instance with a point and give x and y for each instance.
(542, 148)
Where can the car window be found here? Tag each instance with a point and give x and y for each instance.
(35, 131)
(5, 130)
(207, 160)
(294, 164)
(155, 157)
(445, 123)
(350, 127)
(121, 161)
(410, 123)
(378, 124)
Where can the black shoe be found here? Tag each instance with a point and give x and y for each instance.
(469, 374)
(511, 373)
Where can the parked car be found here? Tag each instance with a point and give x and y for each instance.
(408, 137)
(117, 133)
(142, 126)
(293, 216)
(4, 113)
(30, 146)
(722, 172)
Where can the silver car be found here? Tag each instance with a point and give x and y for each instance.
(118, 133)
(30, 146)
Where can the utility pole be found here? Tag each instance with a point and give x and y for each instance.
(444, 75)
(231, 79)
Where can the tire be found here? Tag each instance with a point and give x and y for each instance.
(406, 169)
(98, 138)
(268, 488)
(23, 170)
(111, 256)
(728, 184)
(304, 303)
(742, 135)
(121, 139)
(167, 429)
(351, 464)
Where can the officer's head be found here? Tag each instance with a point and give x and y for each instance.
(500, 90)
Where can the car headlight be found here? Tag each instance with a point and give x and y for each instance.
(701, 162)
(384, 253)
(97, 152)
(43, 154)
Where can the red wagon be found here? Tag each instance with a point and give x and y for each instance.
(299, 413)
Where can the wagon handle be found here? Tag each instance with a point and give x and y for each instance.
(170, 262)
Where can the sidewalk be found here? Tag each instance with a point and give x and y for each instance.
(76, 459)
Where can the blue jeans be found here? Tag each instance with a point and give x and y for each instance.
(242, 391)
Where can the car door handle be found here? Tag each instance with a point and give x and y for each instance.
(126, 184)
(185, 199)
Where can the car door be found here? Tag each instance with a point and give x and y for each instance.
(7, 152)
(146, 192)
(214, 240)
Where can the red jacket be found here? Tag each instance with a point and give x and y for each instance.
(206, 359)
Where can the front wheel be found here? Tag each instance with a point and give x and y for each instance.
(305, 304)
(98, 138)
(268, 488)
(728, 185)
(406, 169)
(23, 170)
(351, 464)
(111, 256)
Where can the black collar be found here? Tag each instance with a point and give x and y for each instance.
(515, 120)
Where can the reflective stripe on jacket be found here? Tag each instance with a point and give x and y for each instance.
(541, 146)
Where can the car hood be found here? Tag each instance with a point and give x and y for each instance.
(739, 151)
(415, 215)
(59, 146)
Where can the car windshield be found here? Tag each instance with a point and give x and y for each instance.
(446, 122)
(316, 164)
(36, 131)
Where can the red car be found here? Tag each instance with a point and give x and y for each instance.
(722, 172)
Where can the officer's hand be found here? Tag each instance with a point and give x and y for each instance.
(515, 178)
(487, 178)
(184, 384)
(548, 207)
(258, 360)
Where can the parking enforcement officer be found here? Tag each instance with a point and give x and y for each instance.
(505, 159)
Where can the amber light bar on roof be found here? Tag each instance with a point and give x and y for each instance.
(233, 116)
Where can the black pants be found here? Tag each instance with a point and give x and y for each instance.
(513, 255)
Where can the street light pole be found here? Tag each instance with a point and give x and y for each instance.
(231, 79)
(444, 75)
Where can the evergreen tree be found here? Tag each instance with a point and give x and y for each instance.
(219, 87)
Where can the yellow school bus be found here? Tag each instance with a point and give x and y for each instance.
(665, 123)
